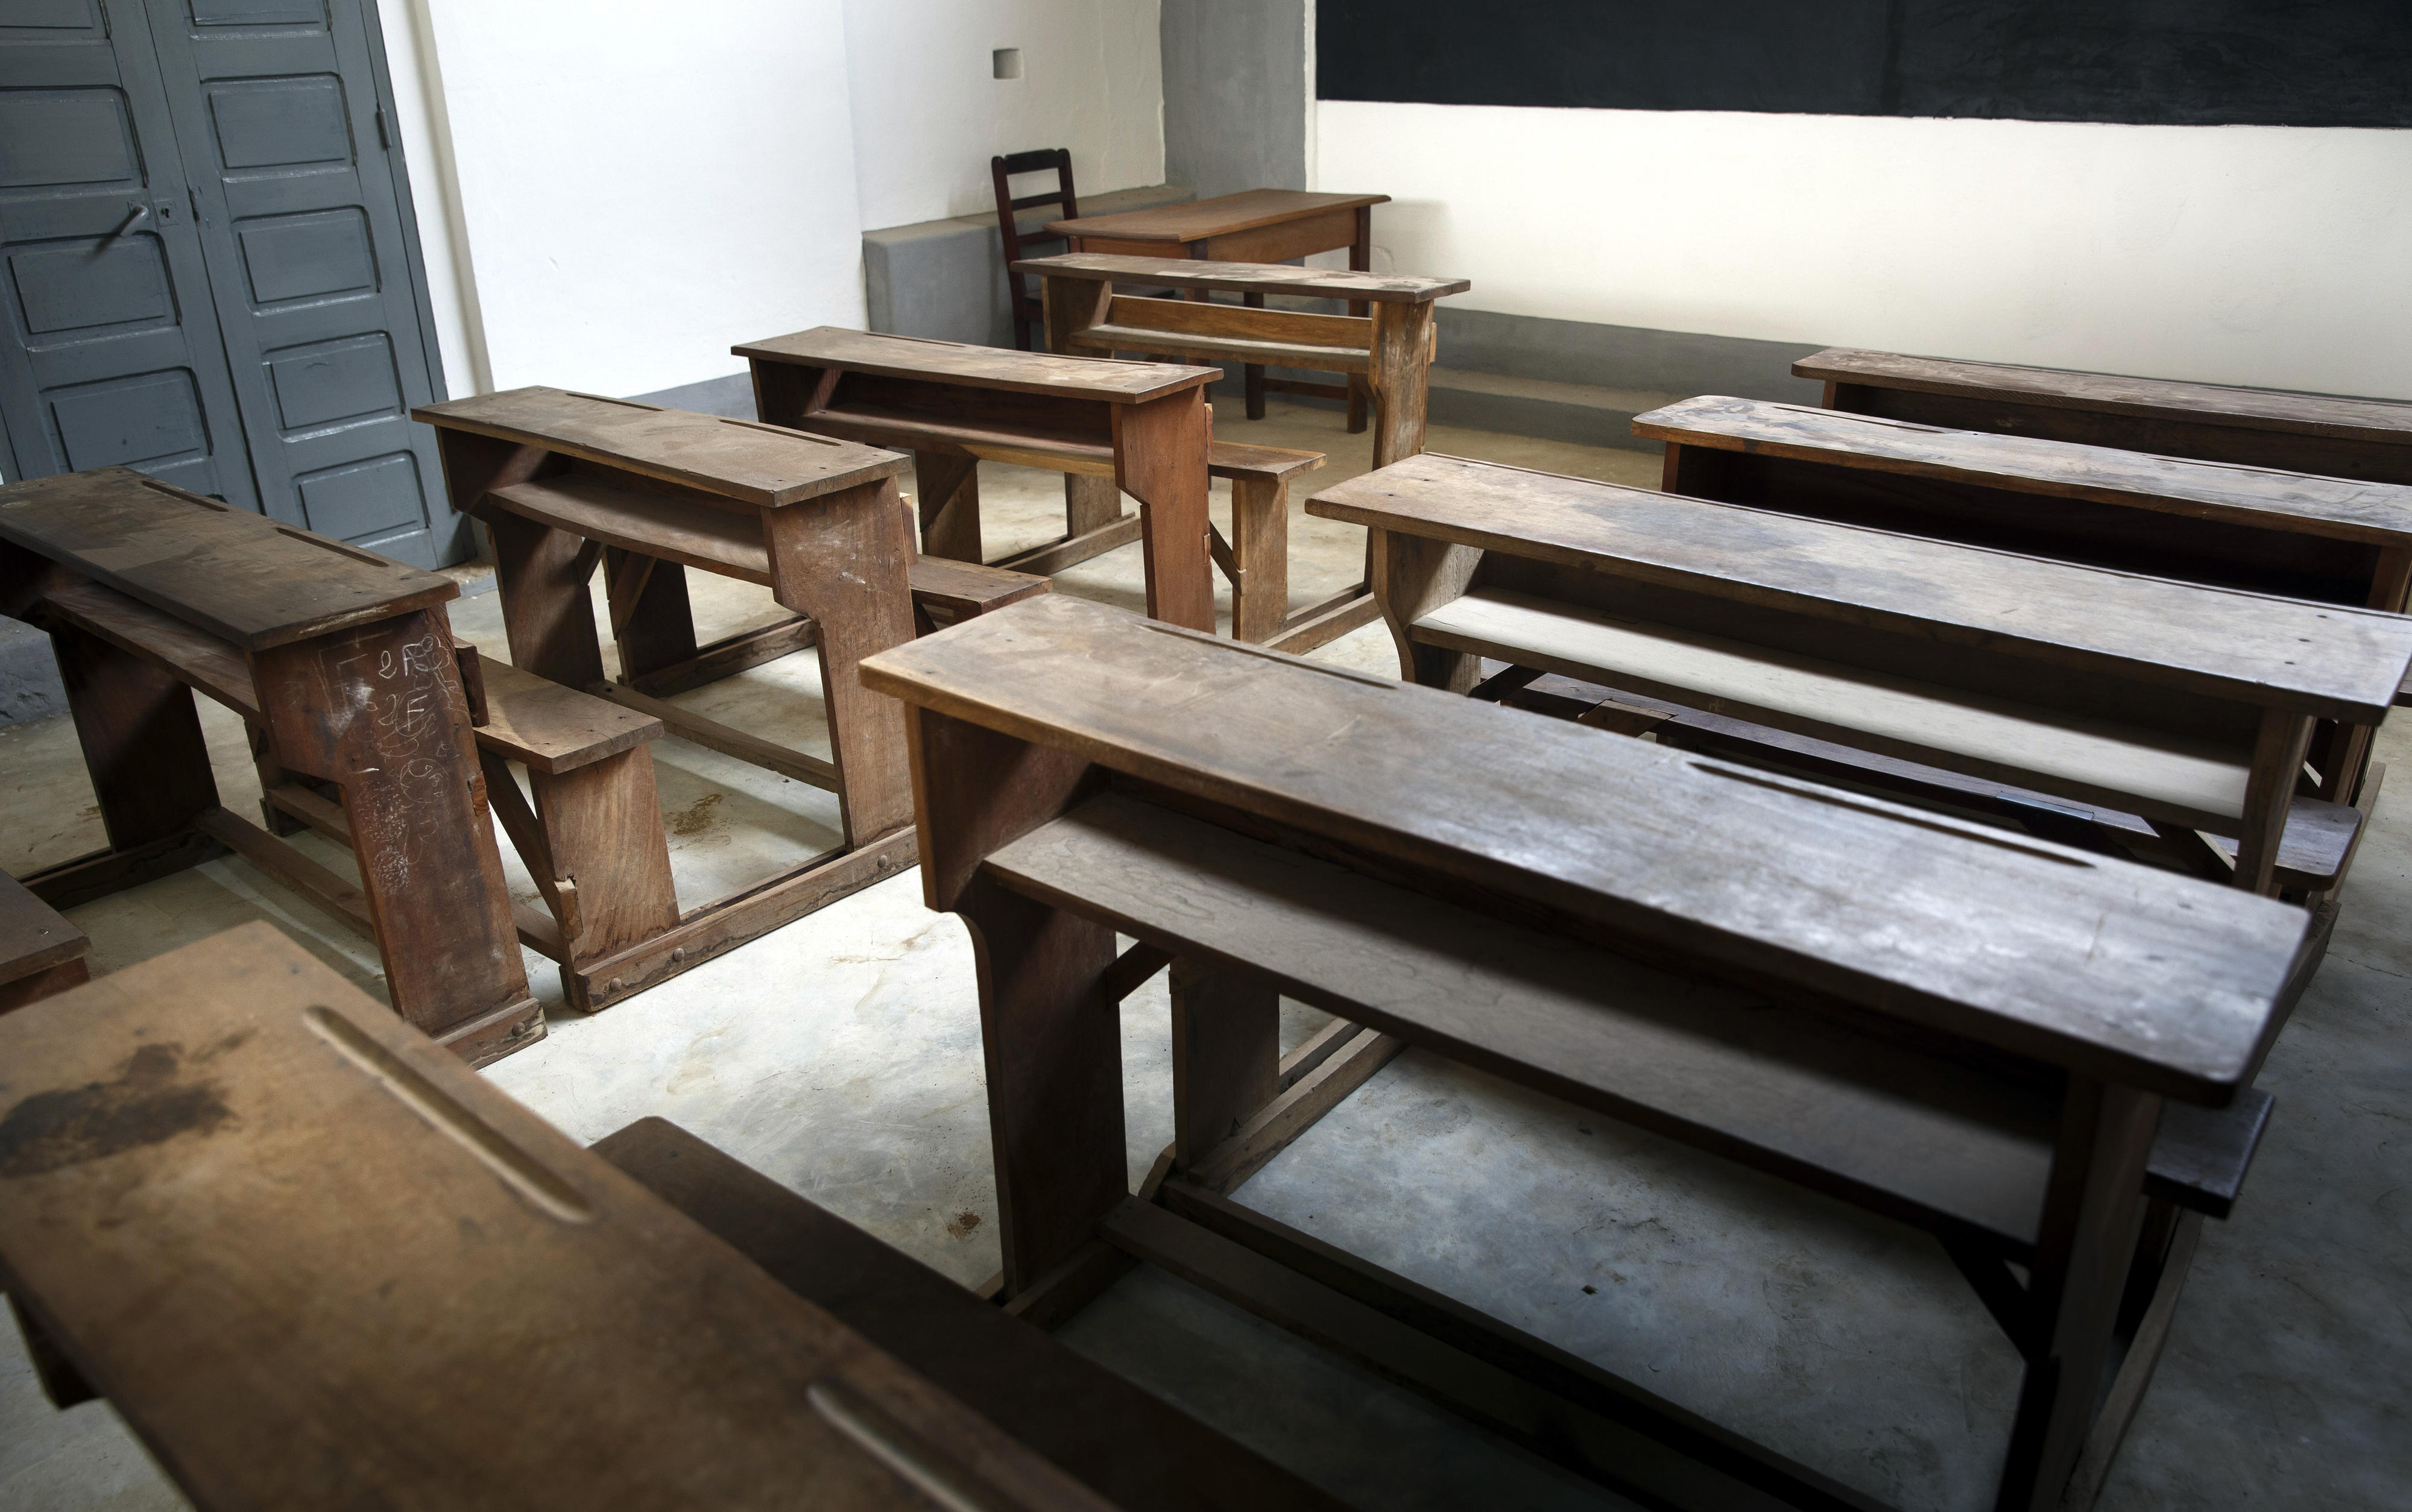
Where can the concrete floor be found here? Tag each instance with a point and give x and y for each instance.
(841, 1056)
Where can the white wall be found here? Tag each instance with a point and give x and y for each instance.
(928, 115)
(2266, 256)
(633, 184)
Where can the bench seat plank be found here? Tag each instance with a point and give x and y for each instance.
(2193, 782)
(317, 1262)
(1246, 277)
(2267, 409)
(553, 728)
(2349, 510)
(2220, 641)
(233, 573)
(746, 461)
(2077, 950)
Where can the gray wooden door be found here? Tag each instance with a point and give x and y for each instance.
(306, 295)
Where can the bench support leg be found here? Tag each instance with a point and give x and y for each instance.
(1226, 1055)
(2269, 794)
(378, 710)
(1412, 576)
(1260, 546)
(2082, 1264)
(947, 486)
(1160, 460)
(602, 823)
(845, 562)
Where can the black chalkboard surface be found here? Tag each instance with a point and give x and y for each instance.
(2300, 63)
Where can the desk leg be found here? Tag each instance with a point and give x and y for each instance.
(845, 560)
(946, 487)
(141, 740)
(548, 618)
(1050, 1033)
(1361, 260)
(1225, 1056)
(377, 710)
(1090, 503)
(1412, 576)
(1160, 460)
(652, 625)
(1401, 379)
(2269, 794)
(1253, 374)
(1260, 546)
(2083, 1259)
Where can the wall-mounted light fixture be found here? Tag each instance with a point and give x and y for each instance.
(1006, 63)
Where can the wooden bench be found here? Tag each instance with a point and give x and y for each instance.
(314, 1263)
(347, 664)
(2370, 439)
(1111, 427)
(42, 954)
(565, 480)
(2188, 705)
(2336, 540)
(1974, 1033)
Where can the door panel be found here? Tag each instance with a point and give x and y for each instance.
(277, 118)
(115, 350)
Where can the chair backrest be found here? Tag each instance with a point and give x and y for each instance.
(1002, 168)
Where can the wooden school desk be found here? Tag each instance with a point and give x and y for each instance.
(1391, 349)
(314, 1263)
(344, 665)
(1252, 226)
(564, 480)
(2187, 704)
(2336, 437)
(1111, 427)
(2340, 541)
(2015, 1046)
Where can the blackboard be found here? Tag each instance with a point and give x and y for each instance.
(2298, 62)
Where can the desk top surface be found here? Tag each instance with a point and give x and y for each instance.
(239, 575)
(741, 460)
(316, 1261)
(2261, 409)
(2327, 659)
(2109, 966)
(1199, 219)
(965, 365)
(2266, 497)
(1246, 277)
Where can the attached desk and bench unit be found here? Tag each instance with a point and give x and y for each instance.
(2186, 705)
(563, 480)
(345, 667)
(2041, 1056)
(315, 1263)
(2336, 540)
(1261, 226)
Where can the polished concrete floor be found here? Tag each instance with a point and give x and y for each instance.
(841, 1056)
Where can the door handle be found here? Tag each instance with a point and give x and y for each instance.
(136, 212)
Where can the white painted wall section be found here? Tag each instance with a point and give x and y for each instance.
(928, 116)
(2272, 256)
(636, 185)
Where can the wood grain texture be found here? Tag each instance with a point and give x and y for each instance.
(2322, 415)
(2343, 508)
(393, 1286)
(1244, 278)
(554, 729)
(235, 575)
(1221, 215)
(1855, 897)
(2212, 640)
(976, 367)
(741, 459)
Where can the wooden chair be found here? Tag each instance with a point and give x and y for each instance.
(2188, 705)
(42, 954)
(2024, 1050)
(314, 1262)
(1027, 311)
